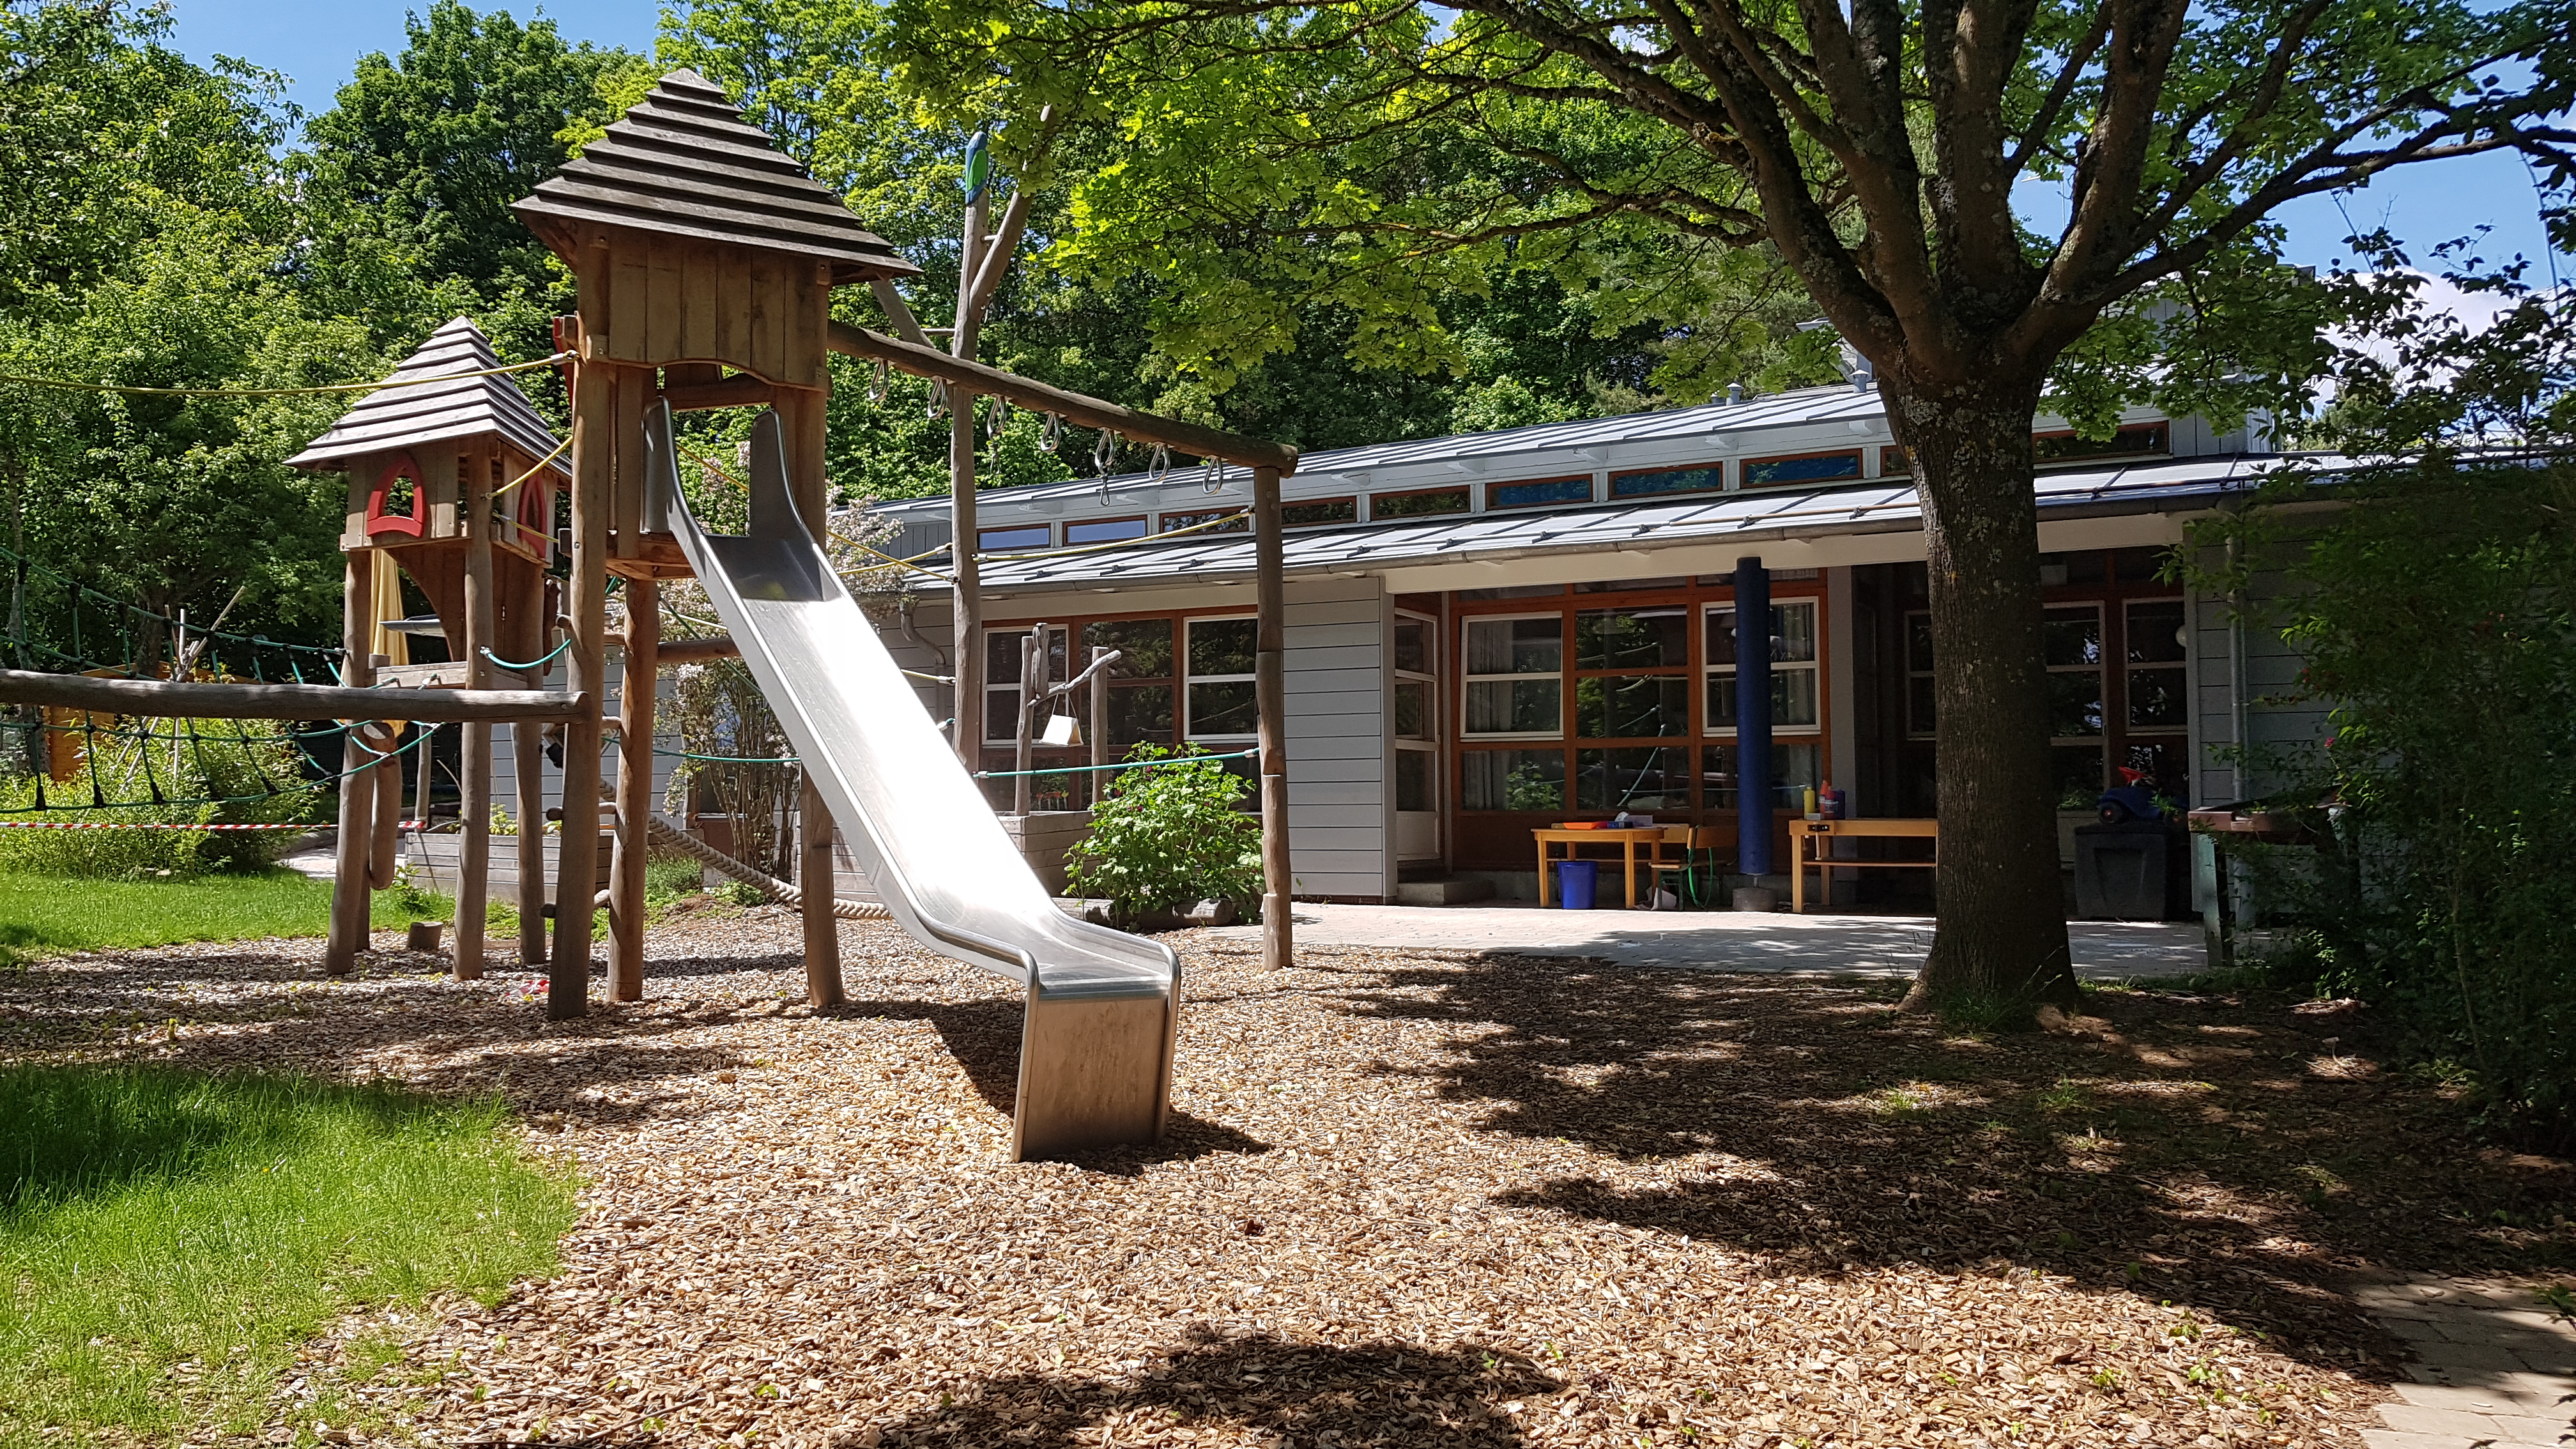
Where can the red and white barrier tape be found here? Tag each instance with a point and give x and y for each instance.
(144, 825)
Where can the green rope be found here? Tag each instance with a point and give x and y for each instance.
(539, 662)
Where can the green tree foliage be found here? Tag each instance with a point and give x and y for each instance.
(2435, 604)
(408, 178)
(1259, 157)
(1515, 349)
(106, 134)
(1168, 836)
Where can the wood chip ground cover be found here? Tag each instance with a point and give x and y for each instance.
(1406, 1200)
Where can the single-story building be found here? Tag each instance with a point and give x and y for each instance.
(1496, 631)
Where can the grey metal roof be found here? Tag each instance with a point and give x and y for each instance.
(685, 163)
(436, 402)
(1337, 470)
(1868, 507)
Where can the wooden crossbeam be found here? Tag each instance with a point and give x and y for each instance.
(160, 699)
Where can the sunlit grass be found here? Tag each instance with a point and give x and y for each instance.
(167, 1238)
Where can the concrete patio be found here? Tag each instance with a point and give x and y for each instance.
(1875, 945)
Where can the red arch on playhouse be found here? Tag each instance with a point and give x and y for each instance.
(398, 467)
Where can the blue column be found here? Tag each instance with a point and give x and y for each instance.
(1753, 716)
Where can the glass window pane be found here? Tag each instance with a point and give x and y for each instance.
(1721, 636)
(1647, 779)
(2075, 703)
(2158, 699)
(1417, 505)
(1516, 646)
(1413, 709)
(1103, 530)
(1144, 646)
(1228, 708)
(2078, 771)
(1761, 472)
(1795, 768)
(1001, 714)
(2155, 632)
(1793, 632)
(1319, 510)
(1793, 699)
(1139, 713)
(1002, 655)
(1918, 641)
(1413, 780)
(1013, 538)
(1532, 495)
(1223, 646)
(1513, 780)
(1515, 707)
(1631, 638)
(1919, 716)
(1412, 646)
(2166, 764)
(2072, 636)
(1632, 707)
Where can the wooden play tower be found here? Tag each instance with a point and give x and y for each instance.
(705, 262)
(453, 482)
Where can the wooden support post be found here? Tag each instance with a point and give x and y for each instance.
(594, 447)
(966, 610)
(474, 865)
(1033, 653)
(1099, 712)
(349, 903)
(528, 763)
(800, 417)
(634, 790)
(1270, 694)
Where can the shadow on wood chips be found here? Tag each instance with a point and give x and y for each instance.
(2232, 1152)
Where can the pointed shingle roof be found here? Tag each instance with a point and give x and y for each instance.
(684, 162)
(434, 402)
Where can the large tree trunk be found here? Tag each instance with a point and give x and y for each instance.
(2001, 938)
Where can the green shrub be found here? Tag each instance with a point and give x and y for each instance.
(246, 767)
(1168, 836)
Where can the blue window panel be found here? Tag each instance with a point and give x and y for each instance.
(1006, 539)
(1818, 469)
(1678, 480)
(1106, 530)
(1533, 495)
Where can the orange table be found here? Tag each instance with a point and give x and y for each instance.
(1809, 838)
(1651, 836)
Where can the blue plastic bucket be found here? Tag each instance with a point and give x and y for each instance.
(1574, 883)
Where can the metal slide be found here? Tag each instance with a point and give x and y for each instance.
(1096, 1045)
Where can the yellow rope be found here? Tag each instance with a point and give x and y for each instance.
(533, 471)
(279, 391)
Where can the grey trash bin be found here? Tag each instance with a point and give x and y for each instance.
(2128, 871)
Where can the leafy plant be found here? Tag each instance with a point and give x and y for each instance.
(1168, 834)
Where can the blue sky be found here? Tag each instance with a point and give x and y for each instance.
(317, 43)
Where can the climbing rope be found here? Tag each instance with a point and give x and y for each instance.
(540, 662)
(769, 886)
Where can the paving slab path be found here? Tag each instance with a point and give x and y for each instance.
(2493, 1366)
(1869, 945)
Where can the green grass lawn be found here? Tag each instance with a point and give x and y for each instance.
(45, 914)
(167, 1238)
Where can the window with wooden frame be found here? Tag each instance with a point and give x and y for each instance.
(1895, 461)
(1514, 685)
(1706, 478)
(1415, 689)
(1539, 493)
(1318, 512)
(1014, 538)
(1222, 520)
(1221, 700)
(1420, 503)
(1802, 468)
(1140, 683)
(1797, 702)
(1104, 530)
(1632, 707)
